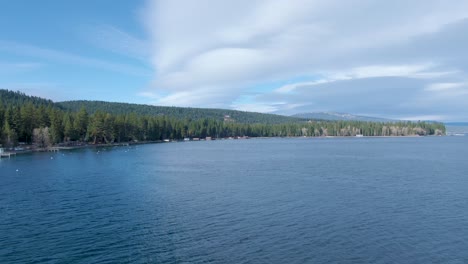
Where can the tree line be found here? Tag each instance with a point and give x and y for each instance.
(48, 126)
(41, 122)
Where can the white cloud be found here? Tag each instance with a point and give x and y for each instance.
(208, 53)
(373, 71)
(255, 107)
(149, 95)
(293, 86)
(383, 71)
(445, 86)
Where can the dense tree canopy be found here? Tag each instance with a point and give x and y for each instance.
(178, 112)
(29, 119)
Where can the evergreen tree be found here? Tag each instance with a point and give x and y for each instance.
(81, 123)
(10, 138)
(56, 127)
(28, 122)
(69, 131)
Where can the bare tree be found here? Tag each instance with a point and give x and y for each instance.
(41, 137)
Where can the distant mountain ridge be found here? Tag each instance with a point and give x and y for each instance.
(335, 116)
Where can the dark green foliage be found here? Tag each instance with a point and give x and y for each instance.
(178, 112)
(21, 114)
(12, 98)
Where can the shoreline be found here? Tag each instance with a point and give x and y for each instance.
(84, 146)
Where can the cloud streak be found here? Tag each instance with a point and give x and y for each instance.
(118, 41)
(18, 67)
(69, 58)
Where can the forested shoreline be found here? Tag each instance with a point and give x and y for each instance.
(43, 123)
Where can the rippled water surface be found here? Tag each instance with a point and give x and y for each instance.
(349, 200)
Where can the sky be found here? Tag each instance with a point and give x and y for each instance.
(394, 59)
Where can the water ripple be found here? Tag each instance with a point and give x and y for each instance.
(255, 201)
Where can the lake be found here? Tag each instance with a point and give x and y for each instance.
(292, 200)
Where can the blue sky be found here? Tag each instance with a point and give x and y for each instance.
(394, 59)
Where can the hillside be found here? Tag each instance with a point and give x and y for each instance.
(12, 98)
(333, 116)
(179, 112)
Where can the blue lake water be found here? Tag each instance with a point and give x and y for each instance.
(303, 200)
